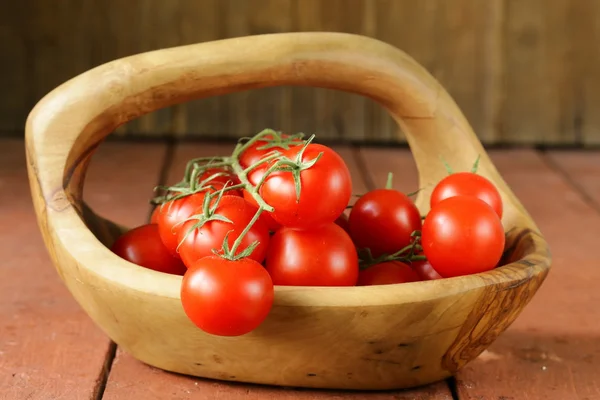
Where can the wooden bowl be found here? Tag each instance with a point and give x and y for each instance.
(378, 337)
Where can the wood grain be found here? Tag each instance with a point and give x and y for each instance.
(405, 338)
(552, 350)
(130, 378)
(540, 98)
(50, 348)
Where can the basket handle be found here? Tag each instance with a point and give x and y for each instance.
(66, 126)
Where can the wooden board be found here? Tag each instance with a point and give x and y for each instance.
(49, 348)
(132, 379)
(582, 170)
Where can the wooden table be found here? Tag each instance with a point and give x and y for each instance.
(50, 349)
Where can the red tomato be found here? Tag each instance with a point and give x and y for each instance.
(226, 298)
(342, 221)
(462, 235)
(228, 177)
(425, 270)
(383, 220)
(326, 188)
(265, 217)
(467, 184)
(171, 214)
(387, 273)
(201, 242)
(142, 246)
(322, 256)
(253, 154)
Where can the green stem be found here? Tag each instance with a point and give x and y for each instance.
(238, 241)
(390, 178)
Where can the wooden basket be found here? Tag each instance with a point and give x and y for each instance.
(378, 337)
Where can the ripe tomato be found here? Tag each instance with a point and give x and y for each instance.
(462, 235)
(425, 270)
(227, 298)
(154, 215)
(387, 273)
(170, 216)
(326, 188)
(201, 242)
(228, 177)
(467, 184)
(383, 220)
(321, 256)
(143, 246)
(265, 217)
(262, 148)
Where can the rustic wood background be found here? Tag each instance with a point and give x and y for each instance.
(523, 71)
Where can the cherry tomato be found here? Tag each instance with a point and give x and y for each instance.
(326, 188)
(226, 177)
(226, 298)
(262, 148)
(462, 235)
(425, 270)
(321, 256)
(170, 217)
(387, 273)
(467, 184)
(201, 242)
(154, 215)
(383, 220)
(265, 217)
(143, 246)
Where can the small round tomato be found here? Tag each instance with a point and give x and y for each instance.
(425, 270)
(383, 220)
(263, 148)
(219, 175)
(170, 217)
(143, 246)
(322, 256)
(265, 217)
(467, 184)
(197, 243)
(387, 273)
(226, 298)
(326, 188)
(462, 235)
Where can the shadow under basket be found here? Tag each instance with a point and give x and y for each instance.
(370, 338)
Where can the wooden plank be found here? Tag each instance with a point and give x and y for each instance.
(586, 31)
(330, 114)
(540, 98)
(204, 116)
(552, 350)
(132, 379)
(50, 349)
(582, 170)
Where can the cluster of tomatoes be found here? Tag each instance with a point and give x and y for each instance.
(277, 212)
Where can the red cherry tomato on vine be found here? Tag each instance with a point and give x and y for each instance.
(226, 298)
(383, 220)
(425, 270)
(467, 184)
(170, 217)
(462, 235)
(326, 188)
(322, 256)
(262, 148)
(200, 242)
(387, 273)
(219, 176)
(143, 246)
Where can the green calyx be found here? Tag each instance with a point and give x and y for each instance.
(407, 254)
